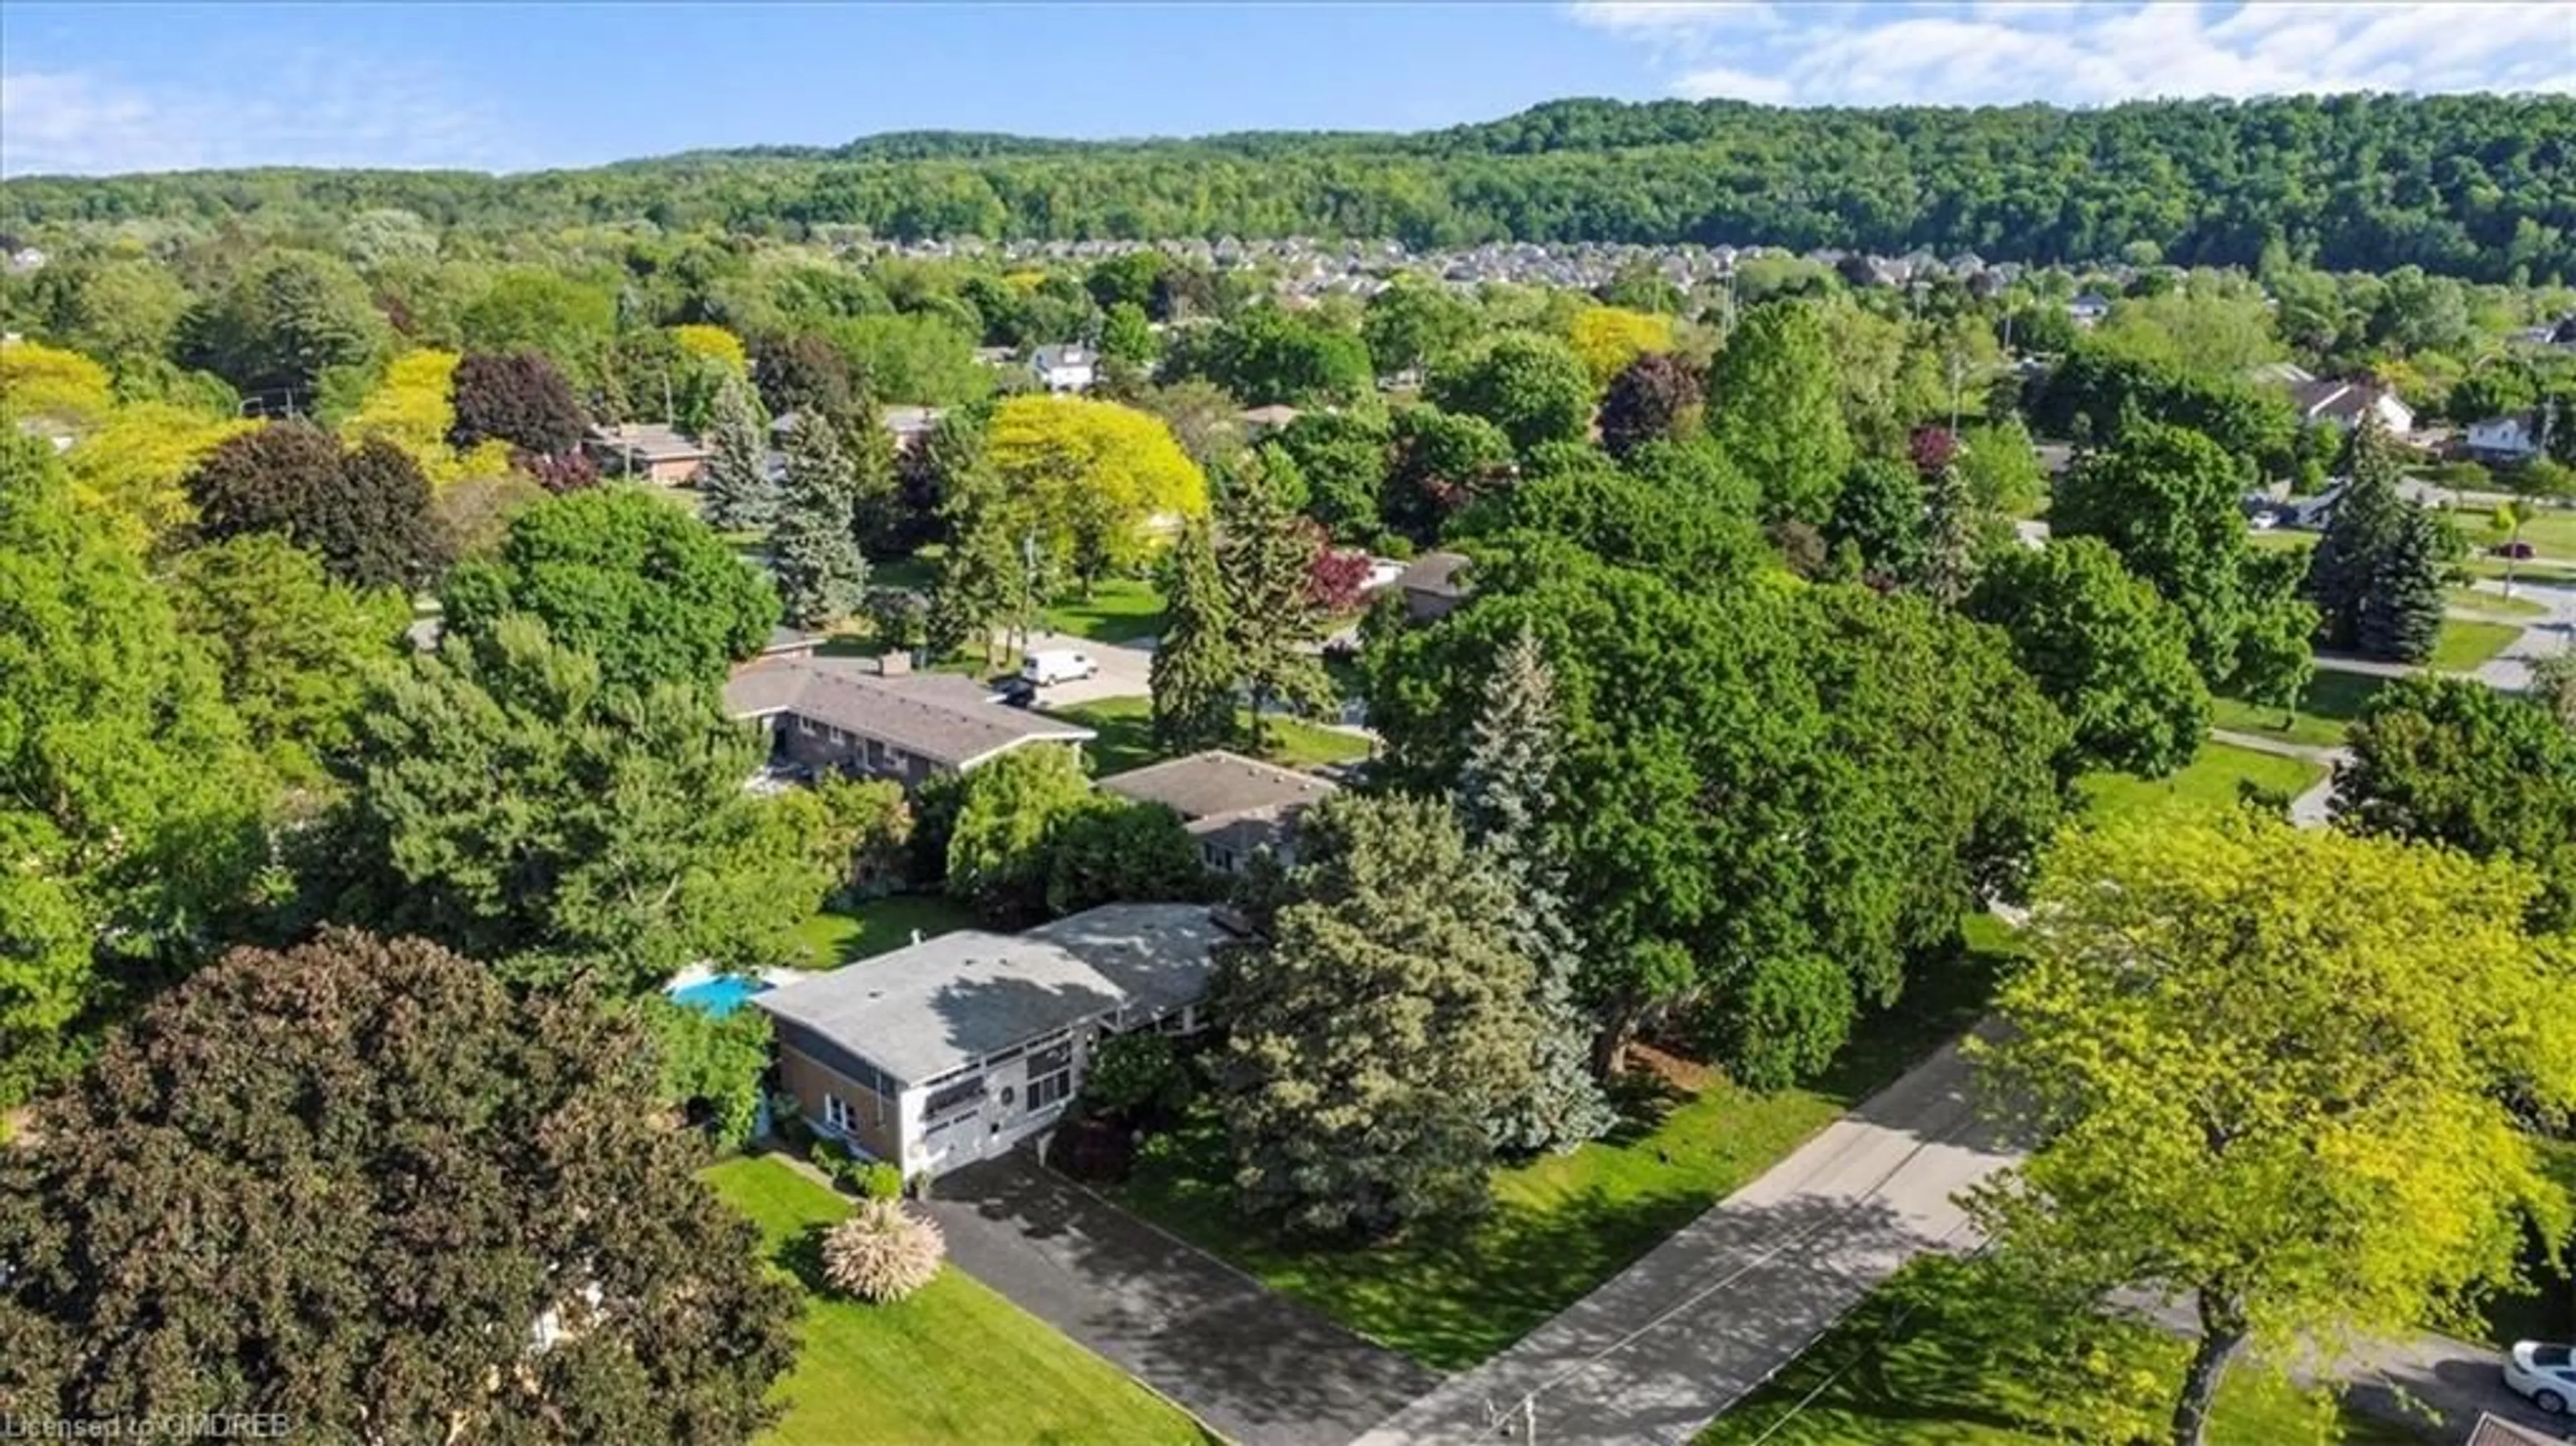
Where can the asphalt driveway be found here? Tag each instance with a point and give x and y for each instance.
(1252, 1364)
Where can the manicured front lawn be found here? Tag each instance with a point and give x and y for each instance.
(955, 1363)
(834, 937)
(2469, 599)
(1561, 1224)
(1910, 1367)
(2547, 571)
(2332, 701)
(2553, 530)
(2465, 645)
(1126, 728)
(2211, 779)
(1119, 610)
(2282, 539)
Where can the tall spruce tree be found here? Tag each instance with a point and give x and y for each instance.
(1265, 554)
(2401, 615)
(1193, 671)
(1954, 535)
(2368, 516)
(739, 492)
(821, 574)
(1506, 788)
(1378, 1026)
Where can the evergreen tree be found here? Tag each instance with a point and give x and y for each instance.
(1378, 1027)
(2401, 616)
(820, 572)
(1506, 788)
(1954, 529)
(740, 493)
(982, 582)
(1193, 669)
(1264, 555)
(2367, 518)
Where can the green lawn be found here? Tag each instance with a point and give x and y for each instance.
(2546, 571)
(955, 1363)
(2331, 702)
(2552, 531)
(2282, 539)
(1919, 1364)
(1561, 1224)
(1119, 610)
(1126, 737)
(2211, 778)
(2494, 604)
(2464, 645)
(833, 937)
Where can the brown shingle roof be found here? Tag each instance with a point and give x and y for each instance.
(951, 721)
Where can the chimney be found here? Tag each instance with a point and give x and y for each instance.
(894, 663)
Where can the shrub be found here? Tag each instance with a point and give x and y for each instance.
(787, 1117)
(1134, 1077)
(883, 1252)
(879, 1179)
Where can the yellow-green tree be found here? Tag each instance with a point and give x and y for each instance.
(414, 408)
(1093, 478)
(1606, 338)
(51, 387)
(713, 343)
(131, 467)
(2276, 1073)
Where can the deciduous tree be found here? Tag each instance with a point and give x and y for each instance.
(516, 397)
(2165, 499)
(296, 650)
(455, 1194)
(366, 512)
(2269, 1070)
(1529, 386)
(1087, 476)
(1606, 339)
(1658, 396)
(647, 590)
(2106, 648)
(1772, 402)
(1012, 811)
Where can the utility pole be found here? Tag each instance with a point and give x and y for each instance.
(1028, 586)
(1955, 363)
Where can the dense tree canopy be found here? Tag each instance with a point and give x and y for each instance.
(365, 511)
(648, 591)
(440, 1187)
(2468, 184)
(2106, 648)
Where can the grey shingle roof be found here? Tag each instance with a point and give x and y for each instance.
(1217, 783)
(920, 1012)
(949, 720)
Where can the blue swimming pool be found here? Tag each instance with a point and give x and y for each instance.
(719, 996)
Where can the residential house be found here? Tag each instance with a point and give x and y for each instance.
(2282, 374)
(2089, 308)
(877, 719)
(2342, 405)
(1068, 368)
(2506, 440)
(957, 1048)
(907, 425)
(1431, 585)
(1235, 807)
(648, 451)
(1261, 421)
(2493, 1430)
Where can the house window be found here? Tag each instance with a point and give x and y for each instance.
(1050, 1091)
(806, 725)
(836, 1115)
(958, 1098)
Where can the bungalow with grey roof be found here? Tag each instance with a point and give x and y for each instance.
(876, 719)
(1234, 807)
(956, 1048)
(648, 450)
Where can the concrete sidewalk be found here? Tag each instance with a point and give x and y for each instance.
(1254, 1365)
(1664, 1347)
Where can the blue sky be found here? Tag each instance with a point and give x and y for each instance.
(127, 86)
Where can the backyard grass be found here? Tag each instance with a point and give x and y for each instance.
(1126, 728)
(2331, 702)
(2552, 531)
(1119, 610)
(2495, 604)
(955, 1363)
(2211, 779)
(834, 937)
(2465, 645)
(1560, 1224)
(2549, 572)
(1910, 1367)
(2282, 539)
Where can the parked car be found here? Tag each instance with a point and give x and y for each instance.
(1055, 665)
(2264, 521)
(1016, 692)
(2518, 551)
(2543, 1374)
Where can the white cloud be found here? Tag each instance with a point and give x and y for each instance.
(2008, 51)
(306, 108)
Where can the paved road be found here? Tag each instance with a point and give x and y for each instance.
(2314, 808)
(1125, 670)
(1257, 1367)
(1659, 1350)
(2541, 638)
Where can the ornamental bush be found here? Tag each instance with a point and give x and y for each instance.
(883, 1252)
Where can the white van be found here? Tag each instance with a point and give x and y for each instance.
(1054, 665)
